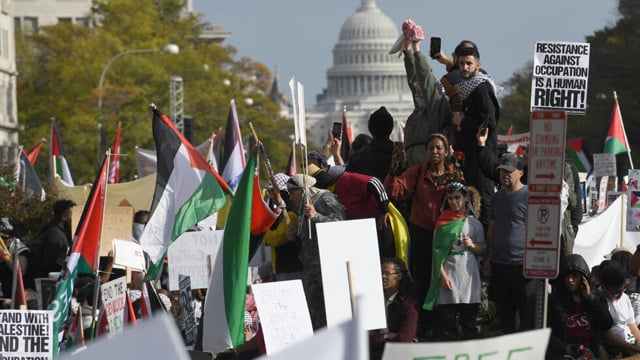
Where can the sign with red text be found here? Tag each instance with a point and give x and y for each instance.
(113, 300)
(546, 151)
(560, 76)
(542, 248)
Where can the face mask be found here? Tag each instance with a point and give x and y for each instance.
(137, 230)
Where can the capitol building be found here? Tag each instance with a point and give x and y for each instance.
(364, 76)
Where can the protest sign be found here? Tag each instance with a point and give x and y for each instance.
(117, 223)
(128, 254)
(355, 241)
(26, 334)
(521, 346)
(192, 254)
(633, 208)
(283, 311)
(154, 338)
(513, 142)
(114, 300)
(604, 165)
(188, 312)
(560, 76)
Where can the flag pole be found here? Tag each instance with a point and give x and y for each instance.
(267, 163)
(96, 291)
(624, 132)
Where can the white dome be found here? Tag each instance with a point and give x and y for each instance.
(364, 75)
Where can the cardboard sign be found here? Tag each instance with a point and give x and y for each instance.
(188, 312)
(114, 300)
(521, 346)
(128, 254)
(26, 334)
(560, 76)
(604, 165)
(117, 223)
(284, 315)
(192, 254)
(355, 241)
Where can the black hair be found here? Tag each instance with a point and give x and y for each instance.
(141, 216)
(612, 275)
(61, 207)
(468, 51)
(406, 283)
(465, 44)
(360, 141)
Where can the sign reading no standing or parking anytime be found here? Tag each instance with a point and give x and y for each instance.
(546, 151)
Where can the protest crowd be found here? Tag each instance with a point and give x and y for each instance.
(449, 206)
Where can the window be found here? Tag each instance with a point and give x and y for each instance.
(64, 20)
(82, 21)
(30, 25)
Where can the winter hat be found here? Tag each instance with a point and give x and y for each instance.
(381, 123)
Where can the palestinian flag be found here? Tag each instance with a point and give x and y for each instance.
(27, 178)
(83, 258)
(223, 326)
(233, 161)
(114, 167)
(187, 191)
(616, 141)
(576, 153)
(447, 232)
(59, 165)
(34, 152)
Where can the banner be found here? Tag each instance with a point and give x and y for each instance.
(26, 334)
(514, 141)
(192, 254)
(560, 76)
(114, 300)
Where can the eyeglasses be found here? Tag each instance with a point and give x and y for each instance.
(389, 273)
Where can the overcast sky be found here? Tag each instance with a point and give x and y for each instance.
(298, 36)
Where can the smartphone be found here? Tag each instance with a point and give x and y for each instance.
(337, 129)
(434, 46)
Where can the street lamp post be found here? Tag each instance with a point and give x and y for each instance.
(170, 49)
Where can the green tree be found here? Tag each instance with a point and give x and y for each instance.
(60, 69)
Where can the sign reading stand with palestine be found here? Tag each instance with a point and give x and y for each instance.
(560, 76)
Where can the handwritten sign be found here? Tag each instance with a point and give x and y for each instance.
(126, 253)
(188, 312)
(26, 334)
(117, 223)
(114, 299)
(604, 165)
(284, 315)
(560, 76)
(192, 254)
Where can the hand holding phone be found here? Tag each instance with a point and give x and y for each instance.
(434, 47)
(337, 130)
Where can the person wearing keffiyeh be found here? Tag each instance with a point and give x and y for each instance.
(480, 108)
(455, 289)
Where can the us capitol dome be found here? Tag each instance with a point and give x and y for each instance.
(364, 76)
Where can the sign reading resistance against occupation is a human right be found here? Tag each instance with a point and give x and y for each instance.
(560, 76)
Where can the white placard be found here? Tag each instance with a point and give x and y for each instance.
(604, 165)
(128, 254)
(521, 346)
(26, 334)
(155, 338)
(560, 76)
(284, 315)
(114, 300)
(192, 254)
(355, 241)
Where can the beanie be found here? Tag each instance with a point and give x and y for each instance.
(380, 123)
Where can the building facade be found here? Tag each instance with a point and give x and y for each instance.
(9, 126)
(364, 76)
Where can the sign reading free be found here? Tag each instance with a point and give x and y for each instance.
(546, 151)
